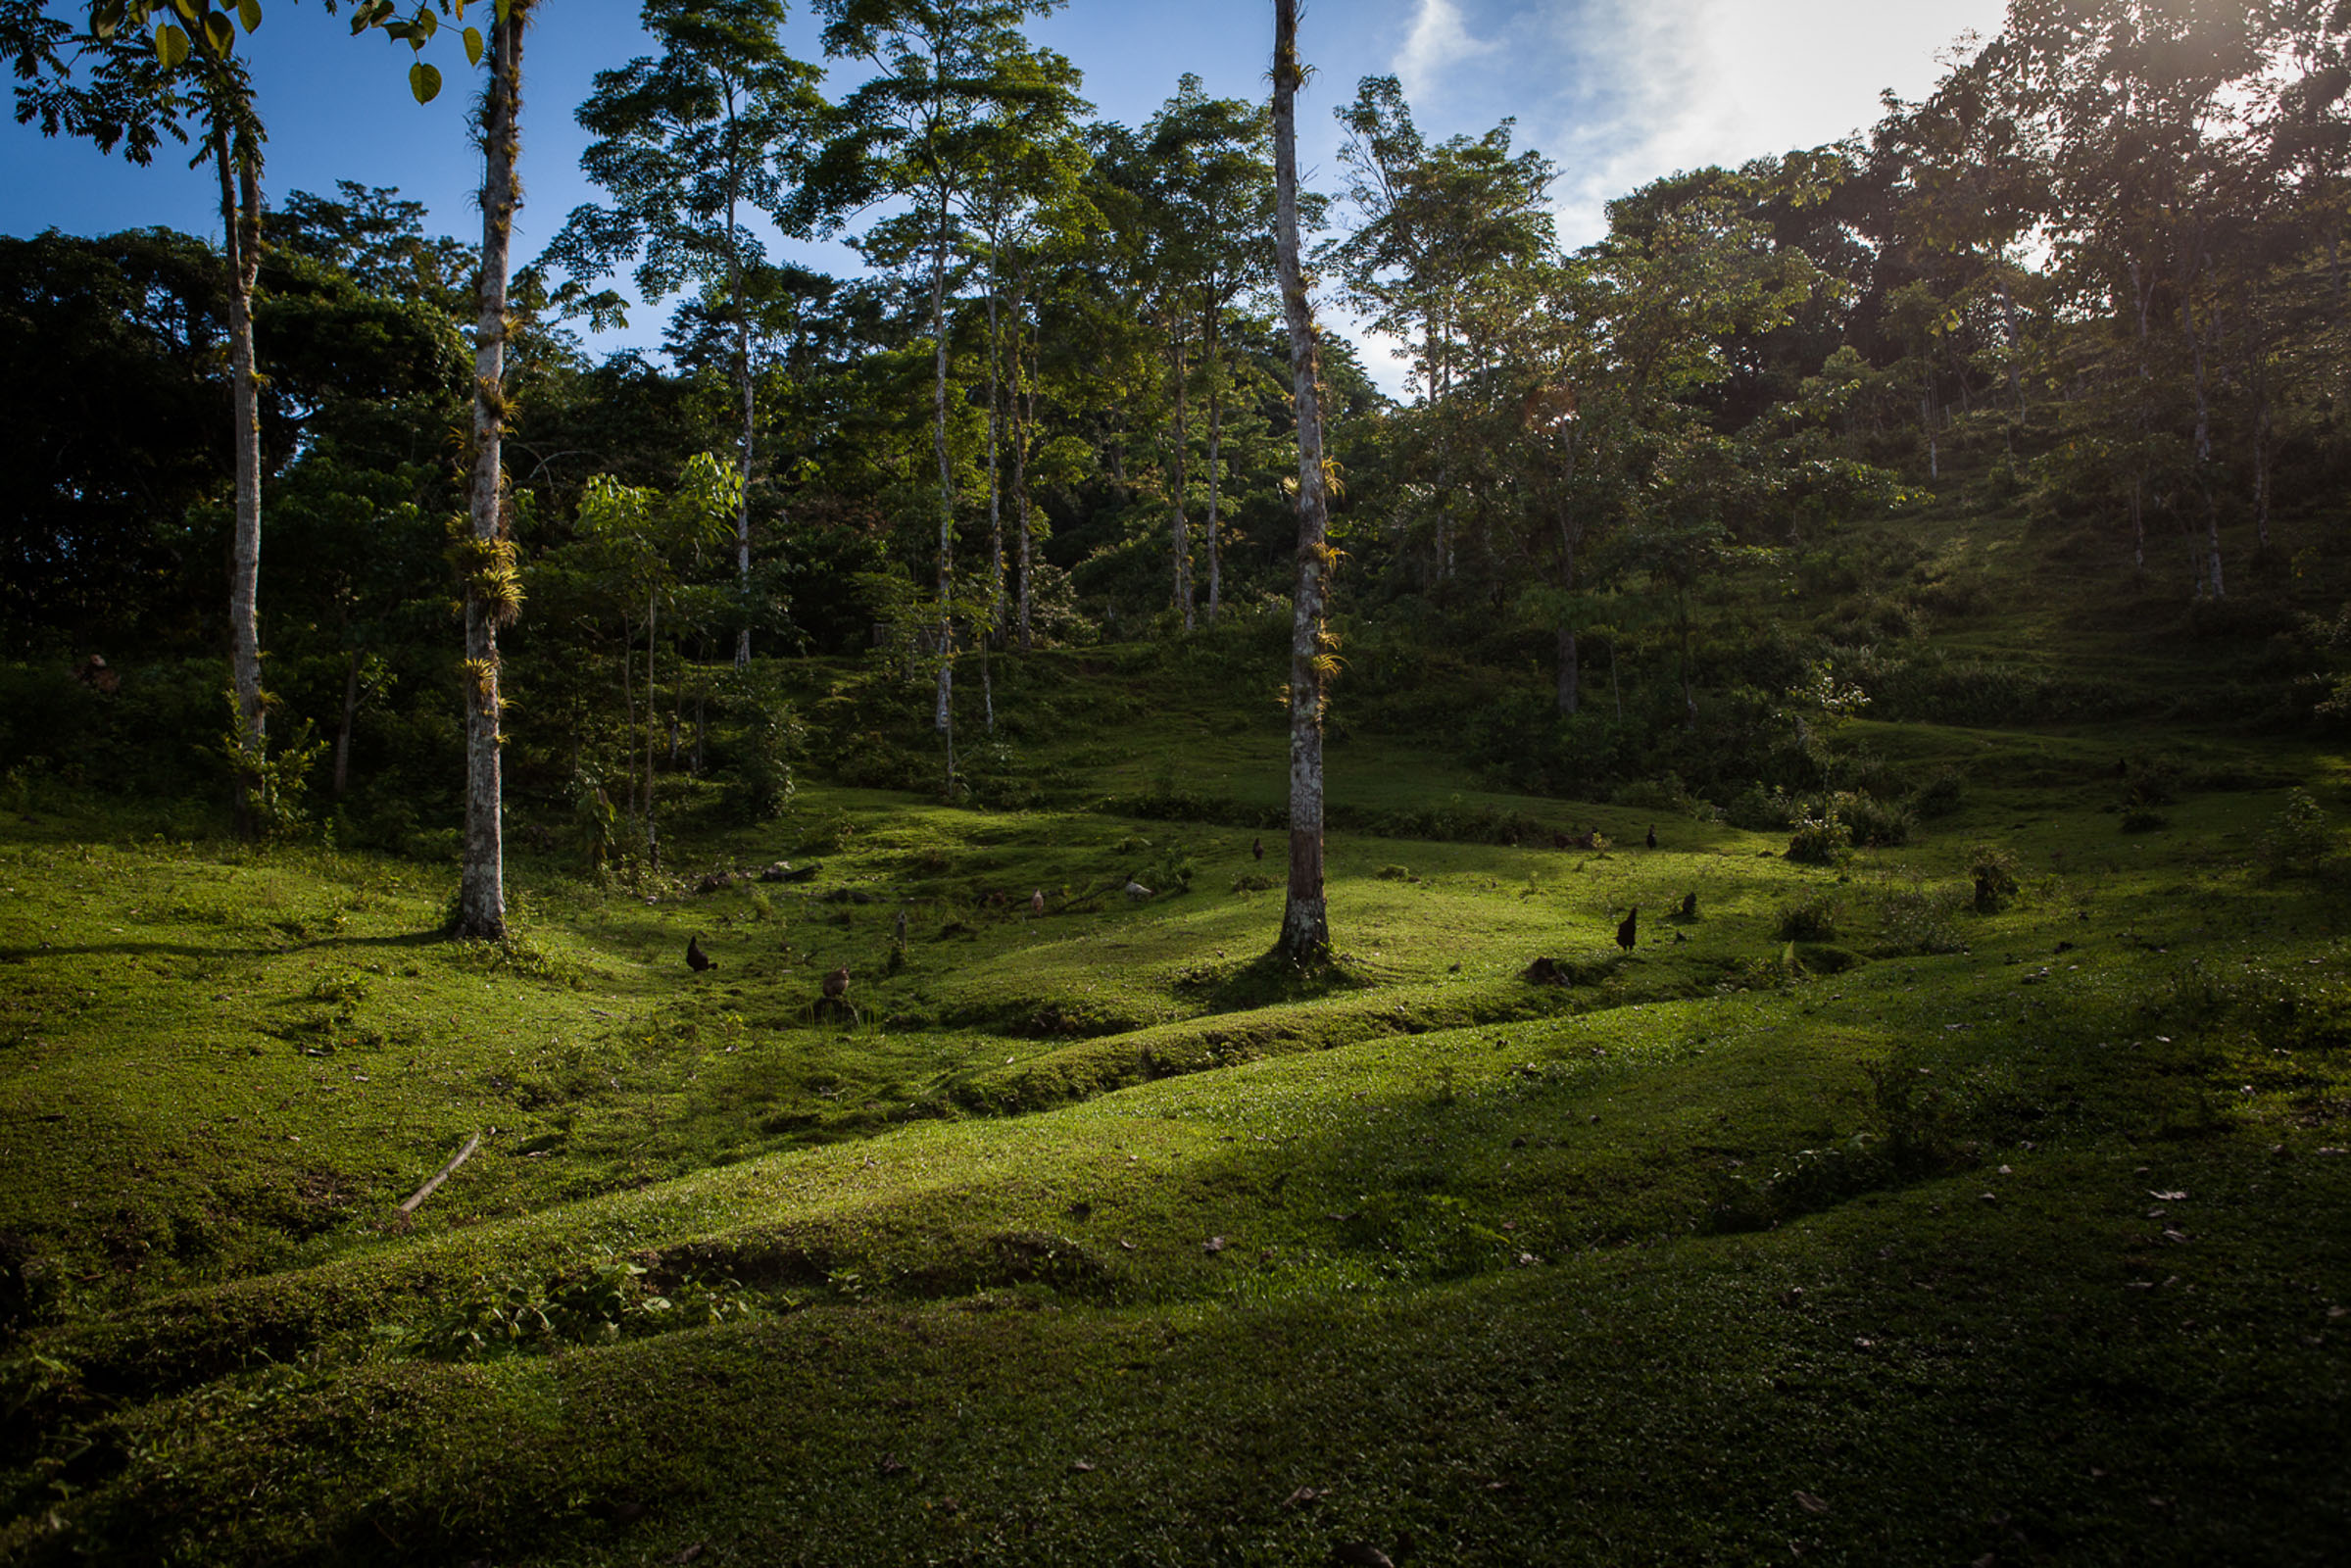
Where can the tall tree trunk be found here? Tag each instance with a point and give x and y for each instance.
(1215, 460)
(947, 478)
(1570, 674)
(1180, 541)
(2139, 527)
(350, 707)
(492, 595)
(2016, 348)
(996, 521)
(2211, 582)
(2262, 427)
(742, 393)
(241, 238)
(1025, 419)
(652, 722)
(1305, 937)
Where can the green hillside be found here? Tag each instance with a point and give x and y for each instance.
(1850, 1214)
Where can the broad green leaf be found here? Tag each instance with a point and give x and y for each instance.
(249, 12)
(473, 46)
(424, 81)
(105, 18)
(170, 46)
(220, 32)
(426, 23)
(188, 10)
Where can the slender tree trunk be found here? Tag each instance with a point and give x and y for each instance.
(742, 393)
(1025, 419)
(2262, 426)
(1215, 460)
(1305, 937)
(241, 238)
(2139, 527)
(492, 588)
(1690, 694)
(653, 840)
(947, 479)
(1180, 542)
(1570, 673)
(628, 704)
(2211, 577)
(2016, 350)
(350, 707)
(995, 521)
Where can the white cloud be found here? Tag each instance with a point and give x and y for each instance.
(1439, 40)
(1707, 81)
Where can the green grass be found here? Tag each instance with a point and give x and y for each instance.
(1842, 1220)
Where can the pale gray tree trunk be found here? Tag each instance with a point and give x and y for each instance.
(490, 597)
(351, 708)
(1180, 540)
(996, 516)
(1305, 937)
(1025, 419)
(947, 478)
(1215, 460)
(241, 238)
(734, 244)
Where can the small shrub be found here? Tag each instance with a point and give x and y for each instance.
(772, 740)
(1394, 873)
(1942, 795)
(1993, 870)
(1915, 920)
(1812, 920)
(2152, 781)
(1665, 793)
(2300, 839)
(1762, 811)
(1171, 872)
(1821, 840)
(1873, 823)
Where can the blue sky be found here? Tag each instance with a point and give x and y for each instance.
(1615, 91)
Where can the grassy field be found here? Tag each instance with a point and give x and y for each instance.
(1849, 1218)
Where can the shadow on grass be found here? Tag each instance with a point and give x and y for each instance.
(120, 950)
(1269, 980)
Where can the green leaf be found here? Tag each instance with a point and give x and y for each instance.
(105, 18)
(424, 81)
(170, 46)
(219, 33)
(426, 23)
(473, 46)
(249, 12)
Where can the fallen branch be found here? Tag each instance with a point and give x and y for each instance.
(455, 1160)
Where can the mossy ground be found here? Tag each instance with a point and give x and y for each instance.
(1939, 1235)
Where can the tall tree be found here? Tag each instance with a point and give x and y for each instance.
(1305, 937)
(1438, 229)
(693, 143)
(920, 128)
(124, 85)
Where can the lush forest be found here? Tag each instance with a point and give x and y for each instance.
(2102, 258)
(1831, 1032)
